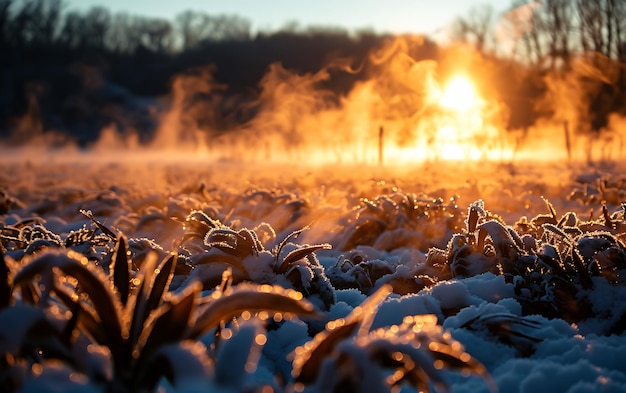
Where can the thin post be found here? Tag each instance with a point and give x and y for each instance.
(381, 131)
(568, 144)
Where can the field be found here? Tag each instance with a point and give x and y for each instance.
(203, 203)
(198, 275)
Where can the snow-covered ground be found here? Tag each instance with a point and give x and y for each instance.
(420, 228)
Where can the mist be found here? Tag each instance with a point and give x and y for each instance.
(363, 99)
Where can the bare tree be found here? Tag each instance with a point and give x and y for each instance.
(192, 27)
(155, 34)
(228, 27)
(548, 27)
(475, 27)
(616, 16)
(49, 20)
(119, 35)
(592, 25)
(522, 27)
(4, 19)
(196, 27)
(97, 23)
(36, 22)
(558, 24)
(601, 30)
(73, 25)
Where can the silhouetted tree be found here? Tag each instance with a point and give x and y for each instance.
(475, 27)
(73, 24)
(192, 27)
(97, 23)
(119, 38)
(38, 22)
(227, 28)
(154, 34)
(4, 20)
(557, 23)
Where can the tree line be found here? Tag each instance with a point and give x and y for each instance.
(87, 69)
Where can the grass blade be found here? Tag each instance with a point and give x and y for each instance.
(162, 281)
(137, 307)
(169, 323)
(120, 269)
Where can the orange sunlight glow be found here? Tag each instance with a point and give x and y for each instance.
(462, 133)
(398, 114)
(459, 95)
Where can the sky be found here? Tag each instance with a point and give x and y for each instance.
(393, 16)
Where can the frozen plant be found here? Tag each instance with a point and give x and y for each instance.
(401, 220)
(285, 263)
(130, 329)
(347, 356)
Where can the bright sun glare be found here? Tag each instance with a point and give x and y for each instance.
(461, 127)
(459, 95)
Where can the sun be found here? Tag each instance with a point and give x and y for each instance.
(459, 95)
(461, 126)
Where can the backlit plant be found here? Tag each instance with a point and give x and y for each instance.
(127, 319)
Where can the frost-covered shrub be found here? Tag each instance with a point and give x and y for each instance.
(217, 247)
(400, 220)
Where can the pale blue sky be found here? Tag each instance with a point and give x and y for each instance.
(395, 16)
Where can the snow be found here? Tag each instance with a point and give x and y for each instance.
(543, 355)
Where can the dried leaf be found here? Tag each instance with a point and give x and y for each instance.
(71, 325)
(284, 242)
(557, 232)
(501, 238)
(608, 221)
(251, 298)
(104, 229)
(476, 211)
(201, 222)
(298, 254)
(248, 240)
(551, 208)
(423, 370)
(309, 358)
(227, 280)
